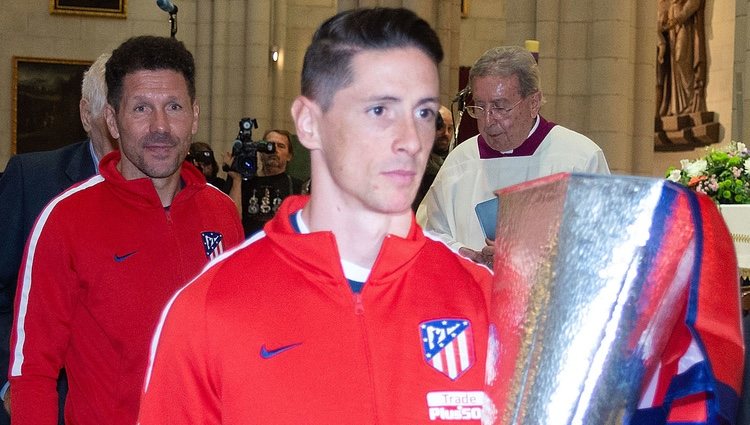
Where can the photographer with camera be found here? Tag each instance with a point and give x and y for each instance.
(258, 190)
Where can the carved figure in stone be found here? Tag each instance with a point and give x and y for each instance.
(681, 43)
(663, 87)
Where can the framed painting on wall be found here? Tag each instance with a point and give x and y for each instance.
(45, 100)
(107, 8)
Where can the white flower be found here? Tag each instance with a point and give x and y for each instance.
(684, 163)
(747, 166)
(674, 175)
(696, 168)
(741, 147)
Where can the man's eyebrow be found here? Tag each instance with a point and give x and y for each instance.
(428, 100)
(383, 99)
(388, 98)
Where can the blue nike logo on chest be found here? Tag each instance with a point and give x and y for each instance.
(267, 354)
(121, 258)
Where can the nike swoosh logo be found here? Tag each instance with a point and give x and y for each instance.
(121, 258)
(267, 354)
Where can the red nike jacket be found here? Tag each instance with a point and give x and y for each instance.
(101, 262)
(271, 333)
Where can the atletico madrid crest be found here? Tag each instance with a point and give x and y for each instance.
(212, 244)
(448, 345)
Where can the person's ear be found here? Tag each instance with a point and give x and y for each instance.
(307, 114)
(85, 112)
(536, 103)
(196, 114)
(109, 117)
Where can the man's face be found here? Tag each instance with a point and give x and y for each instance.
(508, 131)
(275, 163)
(206, 169)
(444, 135)
(155, 124)
(378, 132)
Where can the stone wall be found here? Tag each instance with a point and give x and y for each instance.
(597, 59)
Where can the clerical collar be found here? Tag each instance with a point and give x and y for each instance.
(539, 131)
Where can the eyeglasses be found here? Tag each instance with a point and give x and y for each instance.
(479, 112)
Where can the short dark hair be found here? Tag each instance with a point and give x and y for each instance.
(327, 64)
(152, 53)
(284, 133)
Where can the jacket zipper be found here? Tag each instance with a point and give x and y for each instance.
(359, 307)
(168, 214)
(359, 311)
(175, 241)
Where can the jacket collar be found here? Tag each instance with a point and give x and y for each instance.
(142, 190)
(318, 251)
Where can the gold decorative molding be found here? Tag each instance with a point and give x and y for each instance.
(100, 8)
(741, 238)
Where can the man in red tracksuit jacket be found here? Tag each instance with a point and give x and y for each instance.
(105, 256)
(341, 310)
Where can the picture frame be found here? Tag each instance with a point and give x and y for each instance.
(45, 95)
(103, 8)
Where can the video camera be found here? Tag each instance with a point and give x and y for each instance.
(244, 150)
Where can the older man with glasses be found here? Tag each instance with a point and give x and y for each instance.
(514, 144)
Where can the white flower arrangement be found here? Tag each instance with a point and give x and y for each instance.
(724, 175)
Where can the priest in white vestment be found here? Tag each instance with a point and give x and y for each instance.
(515, 144)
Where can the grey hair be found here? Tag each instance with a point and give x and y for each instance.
(505, 61)
(94, 86)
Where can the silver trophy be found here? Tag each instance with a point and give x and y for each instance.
(590, 275)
